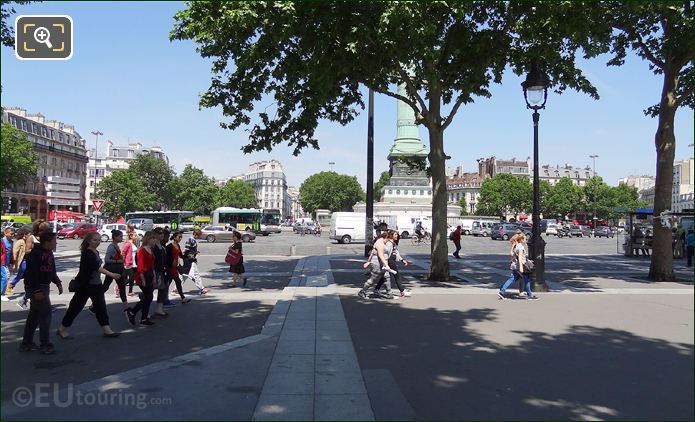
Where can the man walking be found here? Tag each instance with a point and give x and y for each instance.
(456, 237)
(690, 241)
(6, 260)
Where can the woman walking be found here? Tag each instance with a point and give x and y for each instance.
(518, 263)
(40, 273)
(145, 279)
(114, 262)
(237, 269)
(512, 275)
(19, 251)
(129, 262)
(190, 262)
(160, 271)
(393, 261)
(89, 286)
(378, 263)
(174, 255)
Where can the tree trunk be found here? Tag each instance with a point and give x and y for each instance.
(661, 268)
(439, 268)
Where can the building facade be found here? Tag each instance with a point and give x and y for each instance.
(116, 157)
(683, 185)
(296, 210)
(460, 185)
(490, 167)
(62, 154)
(639, 182)
(270, 186)
(578, 175)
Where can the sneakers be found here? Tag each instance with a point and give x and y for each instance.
(4, 298)
(28, 347)
(501, 296)
(186, 300)
(131, 294)
(533, 298)
(362, 294)
(146, 322)
(406, 293)
(23, 304)
(386, 295)
(47, 349)
(130, 316)
(203, 292)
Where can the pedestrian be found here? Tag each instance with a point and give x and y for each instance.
(40, 273)
(520, 258)
(237, 269)
(512, 276)
(145, 279)
(19, 250)
(190, 262)
(114, 262)
(7, 262)
(89, 286)
(160, 265)
(689, 241)
(378, 264)
(393, 261)
(456, 237)
(37, 227)
(129, 262)
(173, 256)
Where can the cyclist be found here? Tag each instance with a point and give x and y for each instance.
(419, 231)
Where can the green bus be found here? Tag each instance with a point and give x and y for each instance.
(171, 219)
(248, 219)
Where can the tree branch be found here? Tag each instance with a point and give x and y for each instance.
(647, 52)
(412, 91)
(688, 92)
(406, 100)
(451, 115)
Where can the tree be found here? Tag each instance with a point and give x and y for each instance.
(194, 191)
(661, 33)
(564, 198)
(237, 193)
(464, 206)
(313, 57)
(124, 191)
(504, 193)
(379, 186)
(329, 190)
(6, 30)
(157, 177)
(19, 161)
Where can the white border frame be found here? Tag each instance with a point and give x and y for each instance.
(72, 32)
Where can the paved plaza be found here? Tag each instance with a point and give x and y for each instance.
(298, 344)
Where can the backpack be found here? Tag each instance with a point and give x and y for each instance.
(233, 257)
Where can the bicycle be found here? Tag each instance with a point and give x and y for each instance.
(417, 240)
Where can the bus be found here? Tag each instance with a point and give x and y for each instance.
(248, 219)
(271, 221)
(171, 219)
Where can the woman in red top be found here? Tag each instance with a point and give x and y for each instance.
(145, 279)
(173, 256)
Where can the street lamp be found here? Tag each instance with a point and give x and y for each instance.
(96, 133)
(594, 157)
(535, 94)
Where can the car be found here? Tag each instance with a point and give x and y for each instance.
(604, 231)
(551, 228)
(213, 234)
(105, 230)
(144, 224)
(577, 230)
(482, 228)
(76, 231)
(505, 231)
(186, 226)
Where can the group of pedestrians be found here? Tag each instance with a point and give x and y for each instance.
(382, 264)
(153, 264)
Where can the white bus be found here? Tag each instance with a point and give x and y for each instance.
(241, 219)
(171, 219)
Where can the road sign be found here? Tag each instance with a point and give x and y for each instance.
(97, 203)
(67, 202)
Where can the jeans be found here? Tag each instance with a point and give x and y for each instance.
(20, 273)
(376, 274)
(5, 278)
(516, 275)
(509, 282)
(39, 316)
(458, 248)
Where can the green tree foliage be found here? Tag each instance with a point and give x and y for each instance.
(504, 193)
(564, 198)
(330, 190)
(158, 179)
(313, 57)
(19, 162)
(662, 34)
(237, 193)
(6, 30)
(379, 186)
(194, 191)
(606, 199)
(124, 191)
(464, 206)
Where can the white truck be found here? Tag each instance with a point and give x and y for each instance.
(347, 227)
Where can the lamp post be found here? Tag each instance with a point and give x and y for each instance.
(96, 133)
(369, 224)
(594, 157)
(535, 94)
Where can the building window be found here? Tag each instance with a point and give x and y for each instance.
(24, 125)
(398, 191)
(422, 192)
(390, 191)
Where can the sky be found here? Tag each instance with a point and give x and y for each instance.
(130, 82)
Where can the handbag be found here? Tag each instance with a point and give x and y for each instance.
(529, 266)
(73, 285)
(233, 257)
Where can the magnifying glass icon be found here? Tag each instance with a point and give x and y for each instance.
(43, 36)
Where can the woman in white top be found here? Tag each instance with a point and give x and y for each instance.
(519, 261)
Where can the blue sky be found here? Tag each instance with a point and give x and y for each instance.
(129, 81)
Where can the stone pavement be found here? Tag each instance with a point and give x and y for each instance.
(320, 356)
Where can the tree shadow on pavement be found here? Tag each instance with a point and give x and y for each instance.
(446, 368)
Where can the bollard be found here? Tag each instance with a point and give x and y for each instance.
(328, 250)
(293, 250)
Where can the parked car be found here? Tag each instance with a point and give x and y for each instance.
(603, 231)
(482, 228)
(579, 231)
(504, 231)
(220, 233)
(77, 231)
(144, 224)
(105, 231)
(551, 228)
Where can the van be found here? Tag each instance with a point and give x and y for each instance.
(145, 224)
(482, 228)
(347, 227)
